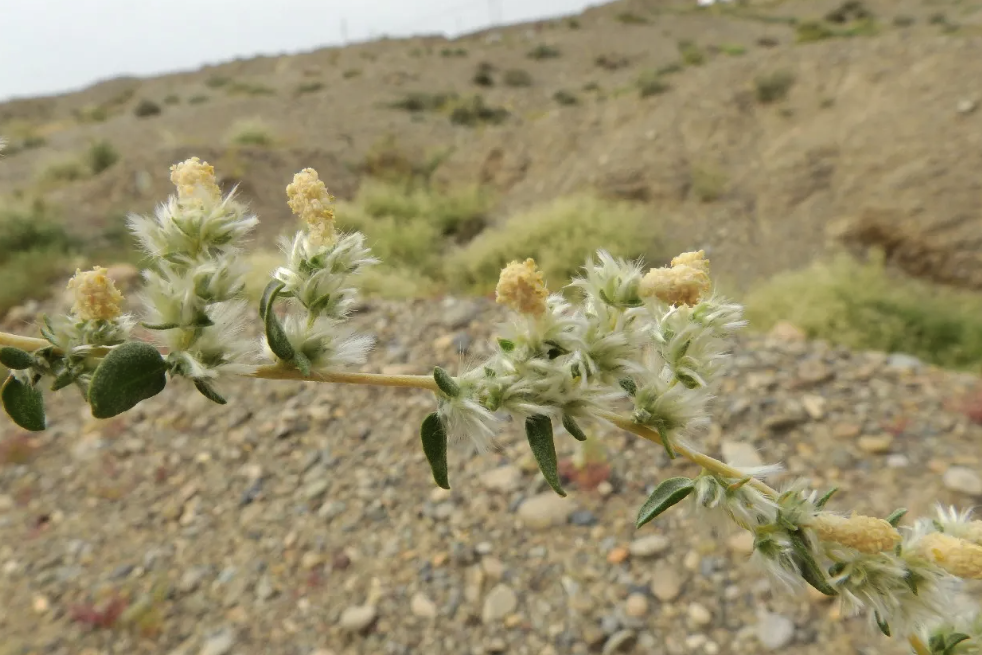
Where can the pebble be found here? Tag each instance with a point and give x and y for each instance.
(583, 518)
(636, 605)
(699, 615)
(358, 618)
(219, 643)
(875, 444)
(666, 583)
(422, 606)
(499, 603)
(649, 546)
(504, 478)
(544, 511)
(963, 480)
(618, 554)
(741, 543)
(774, 631)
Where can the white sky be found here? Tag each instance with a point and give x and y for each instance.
(51, 46)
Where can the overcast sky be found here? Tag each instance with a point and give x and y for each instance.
(51, 46)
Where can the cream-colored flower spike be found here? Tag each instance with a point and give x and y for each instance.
(310, 200)
(866, 534)
(195, 179)
(522, 288)
(685, 282)
(956, 556)
(96, 296)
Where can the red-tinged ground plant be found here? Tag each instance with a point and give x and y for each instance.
(636, 349)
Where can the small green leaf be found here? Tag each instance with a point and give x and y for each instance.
(434, 437)
(269, 295)
(953, 640)
(881, 624)
(628, 385)
(824, 499)
(573, 428)
(446, 383)
(895, 516)
(64, 378)
(810, 571)
(208, 391)
(302, 362)
(202, 320)
(15, 358)
(668, 493)
(506, 345)
(936, 644)
(538, 429)
(160, 326)
(911, 579)
(47, 329)
(129, 374)
(279, 343)
(24, 404)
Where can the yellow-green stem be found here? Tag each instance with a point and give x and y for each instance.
(409, 381)
(920, 648)
(705, 461)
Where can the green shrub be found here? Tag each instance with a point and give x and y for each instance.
(101, 155)
(560, 235)
(34, 251)
(708, 184)
(516, 77)
(146, 108)
(250, 132)
(544, 51)
(903, 21)
(565, 98)
(864, 307)
(418, 101)
(351, 72)
(453, 53)
(66, 169)
(650, 83)
(612, 62)
(732, 49)
(413, 231)
(630, 18)
(669, 69)
(172, 99)
(308, 87)
(473, 111)
(197, 99)
(773, 87)
(249, 89)
(483, 76)
(692, 54)
(217, 81)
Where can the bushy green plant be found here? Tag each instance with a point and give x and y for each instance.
(544, 51)
(560, 236)
(773, 87)
(101, 155)
(516, 77)
(33, 249)
(146, 108)
(862, 306)
(250, 132)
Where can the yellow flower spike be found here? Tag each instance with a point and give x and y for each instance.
(522, 288)
(310, 200)
(685, 282)
(956, 556)
(195, 179)
(866, 534)
(96, 296)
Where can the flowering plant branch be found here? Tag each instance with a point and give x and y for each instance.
(649, 342)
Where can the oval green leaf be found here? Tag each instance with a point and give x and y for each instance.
(24, 404)
(670, 492)
(269, 295)
(446, 383)
(15, 358)
(434, 438)
(538, 429)
(128, 375)
(209, 392)
(573, 428)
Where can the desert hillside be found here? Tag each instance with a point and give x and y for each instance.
(761, 132)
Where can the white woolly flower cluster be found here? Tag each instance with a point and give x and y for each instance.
(567, 361)
(319, 280)
(192, 294)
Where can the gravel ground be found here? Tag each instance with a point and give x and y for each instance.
(302, 518)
